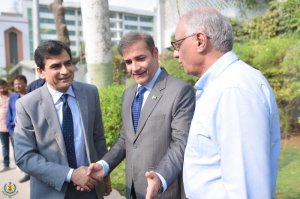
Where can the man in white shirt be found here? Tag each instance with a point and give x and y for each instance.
(234, 140)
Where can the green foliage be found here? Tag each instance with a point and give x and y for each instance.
(279, 60)
(119, 68)
(289, 174)
(173, 67)
(283, 18)
(111, 103)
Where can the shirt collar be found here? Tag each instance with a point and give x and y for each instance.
(56, 95)
(216, 69)
(150, 85)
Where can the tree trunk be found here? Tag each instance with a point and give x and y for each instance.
(60, 23)
(97, 38)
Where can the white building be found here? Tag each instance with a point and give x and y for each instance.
(14, 40)
(122, 20)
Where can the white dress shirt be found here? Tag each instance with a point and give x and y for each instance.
(234, 140)
(80, 150)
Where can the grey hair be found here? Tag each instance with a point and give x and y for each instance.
(132, 37)
(213, 24)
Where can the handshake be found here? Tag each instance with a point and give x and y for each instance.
(85, 178)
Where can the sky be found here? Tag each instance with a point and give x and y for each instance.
(8, 5)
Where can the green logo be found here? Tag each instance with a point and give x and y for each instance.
(10, 189)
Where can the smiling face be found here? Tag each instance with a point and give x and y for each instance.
(140, 62)
(58, 71)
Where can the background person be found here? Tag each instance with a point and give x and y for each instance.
(20, 84)
(4, 135)
(234, 140)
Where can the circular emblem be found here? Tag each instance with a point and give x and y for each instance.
(10, 189)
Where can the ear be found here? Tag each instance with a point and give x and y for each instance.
(202, 41)
(155, 53)
(40, 72)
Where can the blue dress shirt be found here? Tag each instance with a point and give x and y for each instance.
(11, 113)
(234, 140)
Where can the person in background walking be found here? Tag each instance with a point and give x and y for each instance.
(20, 84)
(4, 135)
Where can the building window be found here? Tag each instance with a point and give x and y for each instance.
(112, 25)
(13, 46)
(113, 34)
(45, 20)
(129, 27)
(112, 15)
(69, 12)
(146, 19)
(44, 9)
(70, 22)
(71, 32)
(72, 43)
(146, 28)
(130, 18)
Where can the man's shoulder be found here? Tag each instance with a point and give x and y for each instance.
(84, 85)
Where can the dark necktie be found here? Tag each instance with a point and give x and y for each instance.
(137, 105)
(68, 132)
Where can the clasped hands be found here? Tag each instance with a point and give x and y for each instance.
(85, 178)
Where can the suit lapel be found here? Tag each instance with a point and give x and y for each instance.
(151, 102)
(82, 102)
(52, 118)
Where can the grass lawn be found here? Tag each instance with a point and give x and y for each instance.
(289, 170)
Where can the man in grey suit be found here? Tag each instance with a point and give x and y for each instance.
(59, 129)
(154, 150)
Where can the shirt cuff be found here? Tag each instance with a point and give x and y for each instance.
(163, 182)
(68, 178)
(105, 166)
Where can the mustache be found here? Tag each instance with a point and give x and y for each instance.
(138, 72)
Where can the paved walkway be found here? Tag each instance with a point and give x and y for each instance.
(22, 189)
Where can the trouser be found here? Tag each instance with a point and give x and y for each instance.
(5, 147)
(72, 193)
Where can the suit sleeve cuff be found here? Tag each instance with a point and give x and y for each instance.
(68, 178)
(163, 182)
(105, 166)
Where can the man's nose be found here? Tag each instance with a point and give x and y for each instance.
(63, 69)
(135, 66)
(176, 54)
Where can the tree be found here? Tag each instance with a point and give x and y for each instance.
(60, 23)
(97, 37)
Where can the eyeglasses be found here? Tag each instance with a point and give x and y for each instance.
(176, 44)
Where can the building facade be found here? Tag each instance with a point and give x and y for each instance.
(13, 40)
(122, 20)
